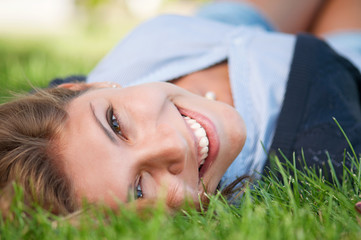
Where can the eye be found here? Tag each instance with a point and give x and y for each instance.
(114, 122)
(115, 125)
(138, 192)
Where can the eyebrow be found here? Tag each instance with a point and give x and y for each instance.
(108, 133)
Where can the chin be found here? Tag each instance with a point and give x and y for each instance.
(231, 147)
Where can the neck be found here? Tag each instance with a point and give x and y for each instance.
(213, 79)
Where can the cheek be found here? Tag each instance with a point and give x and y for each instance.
(232, 127)
(179, 194)
(104, 186)
(171, 189)
(238, 133)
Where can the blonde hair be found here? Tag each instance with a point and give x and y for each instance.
(29, 155)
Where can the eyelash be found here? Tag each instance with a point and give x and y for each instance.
(138, 192)
(114, 122)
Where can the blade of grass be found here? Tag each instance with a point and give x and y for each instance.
(333, 173)
(284, 177)
(353, 152)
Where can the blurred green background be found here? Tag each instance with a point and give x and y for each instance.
(37, 45)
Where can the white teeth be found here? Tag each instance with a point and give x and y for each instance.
(191, 121)
(200, 132)
(204, 150)
(201, 135)
(204, 142)
(195, 125)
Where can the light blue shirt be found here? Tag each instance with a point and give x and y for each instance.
(170, 46)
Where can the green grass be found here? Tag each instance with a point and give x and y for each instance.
(299, 206)
(34, 60)
(24, 63)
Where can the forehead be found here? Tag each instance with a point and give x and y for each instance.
(90, 160)
(92, 94)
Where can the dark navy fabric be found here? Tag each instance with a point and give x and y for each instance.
(321, 85)
(70, 79)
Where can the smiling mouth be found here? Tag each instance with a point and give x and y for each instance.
(207, 143)
(202, 140)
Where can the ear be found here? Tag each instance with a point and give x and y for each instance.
(104, 85)
(74, 86)
(82, 86)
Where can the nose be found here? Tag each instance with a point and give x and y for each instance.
(164, 148)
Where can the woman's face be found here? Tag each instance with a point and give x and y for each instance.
(152, 141)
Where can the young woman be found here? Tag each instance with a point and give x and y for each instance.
(203, 97)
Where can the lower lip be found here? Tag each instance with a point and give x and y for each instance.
(212, 135)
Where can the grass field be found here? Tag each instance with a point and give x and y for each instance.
(300, 206)
(28, 60)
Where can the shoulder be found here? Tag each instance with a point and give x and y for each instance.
(169, 25)
(159, 43)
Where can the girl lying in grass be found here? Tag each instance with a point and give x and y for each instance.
(201, 100)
